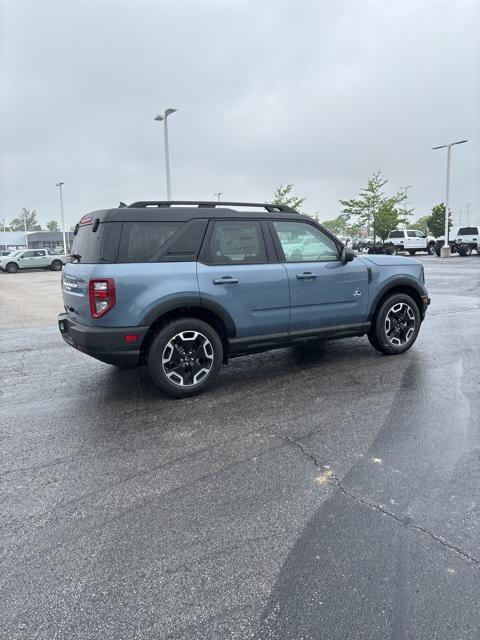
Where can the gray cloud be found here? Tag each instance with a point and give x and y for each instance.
(320, 94)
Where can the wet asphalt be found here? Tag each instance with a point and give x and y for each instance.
(323, 491)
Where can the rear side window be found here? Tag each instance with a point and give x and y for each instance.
(87, 243)
(395, 234)
(237, 241)
(145, 241)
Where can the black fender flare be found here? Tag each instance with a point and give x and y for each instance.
(177, 302)
(391, 284)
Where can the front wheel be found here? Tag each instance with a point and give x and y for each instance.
(396, 325)
(12, 267)
(185, 357)
(56, 265)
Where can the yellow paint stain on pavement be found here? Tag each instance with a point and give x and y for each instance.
(325, 477)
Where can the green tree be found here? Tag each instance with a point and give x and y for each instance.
(284, 195)
(374, 210)
(421, 224)
(52, 225)
(436, 220)
(26, 222)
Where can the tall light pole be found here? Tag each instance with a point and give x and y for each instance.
(60, 185)
(445, 250)
(25, 225)
(163, 116)
(218, 195)
(409, 186)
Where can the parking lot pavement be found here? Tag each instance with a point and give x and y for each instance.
(323, 491)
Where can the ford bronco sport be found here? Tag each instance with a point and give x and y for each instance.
(184, 286)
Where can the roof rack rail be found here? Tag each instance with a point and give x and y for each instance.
(271, 208)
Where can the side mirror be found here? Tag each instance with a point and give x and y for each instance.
(346, 254)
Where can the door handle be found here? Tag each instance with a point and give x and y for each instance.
(306, 275)
(226, 280)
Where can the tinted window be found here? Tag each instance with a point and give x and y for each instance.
(87, 243)
(237, 241)
(302, 242)
(145, 241)
(468, 231)
(411, 234)
(396, 234)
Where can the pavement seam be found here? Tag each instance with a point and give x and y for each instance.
(373, 505)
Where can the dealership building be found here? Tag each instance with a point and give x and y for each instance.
(11, 240)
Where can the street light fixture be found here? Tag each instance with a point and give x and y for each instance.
(60, 185)
(445, 251)
(163, 116)
(218, 195)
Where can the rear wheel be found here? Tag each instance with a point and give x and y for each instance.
(56, 265)
(465, 250)
(185, 357)
(431, 249)
(396, 325)
(393, 251)
(438, 251)
(411, 252)
(12, 267)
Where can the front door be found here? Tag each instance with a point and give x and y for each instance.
(324, 291)
(237, 272)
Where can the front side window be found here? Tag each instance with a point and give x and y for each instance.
(302, 242)
(468, 231)
(419, 234)
(28, 254)
(237, 241)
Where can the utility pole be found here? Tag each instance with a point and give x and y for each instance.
(409, 186)
(60, 185)
(445, 251)
(163, 116)
(25, 225)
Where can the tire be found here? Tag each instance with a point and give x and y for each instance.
(411, 252)
(11, 267)
(465, 250)
(174, 363)
(438, 251)
(393, 251)
(384, 335)
(57, 265)
(431, 249)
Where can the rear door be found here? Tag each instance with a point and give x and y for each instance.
(41, 258)
(324, 291)
(238, 271)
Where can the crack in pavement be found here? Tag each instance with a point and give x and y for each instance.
(373, 505)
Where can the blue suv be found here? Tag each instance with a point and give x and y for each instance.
(184, 286)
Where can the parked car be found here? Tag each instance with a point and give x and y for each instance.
(410, 240)
(462, 240)
(32, 259)
(346, 240)
(185, 288)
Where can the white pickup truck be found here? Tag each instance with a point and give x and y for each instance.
(411, 240)
(32, 259)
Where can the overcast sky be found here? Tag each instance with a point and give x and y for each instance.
(316, 93)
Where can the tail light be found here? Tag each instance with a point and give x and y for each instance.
(102, 296)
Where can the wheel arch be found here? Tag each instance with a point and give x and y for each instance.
(397, 286)
(210, 312)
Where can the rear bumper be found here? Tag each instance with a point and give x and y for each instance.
(105, 344)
